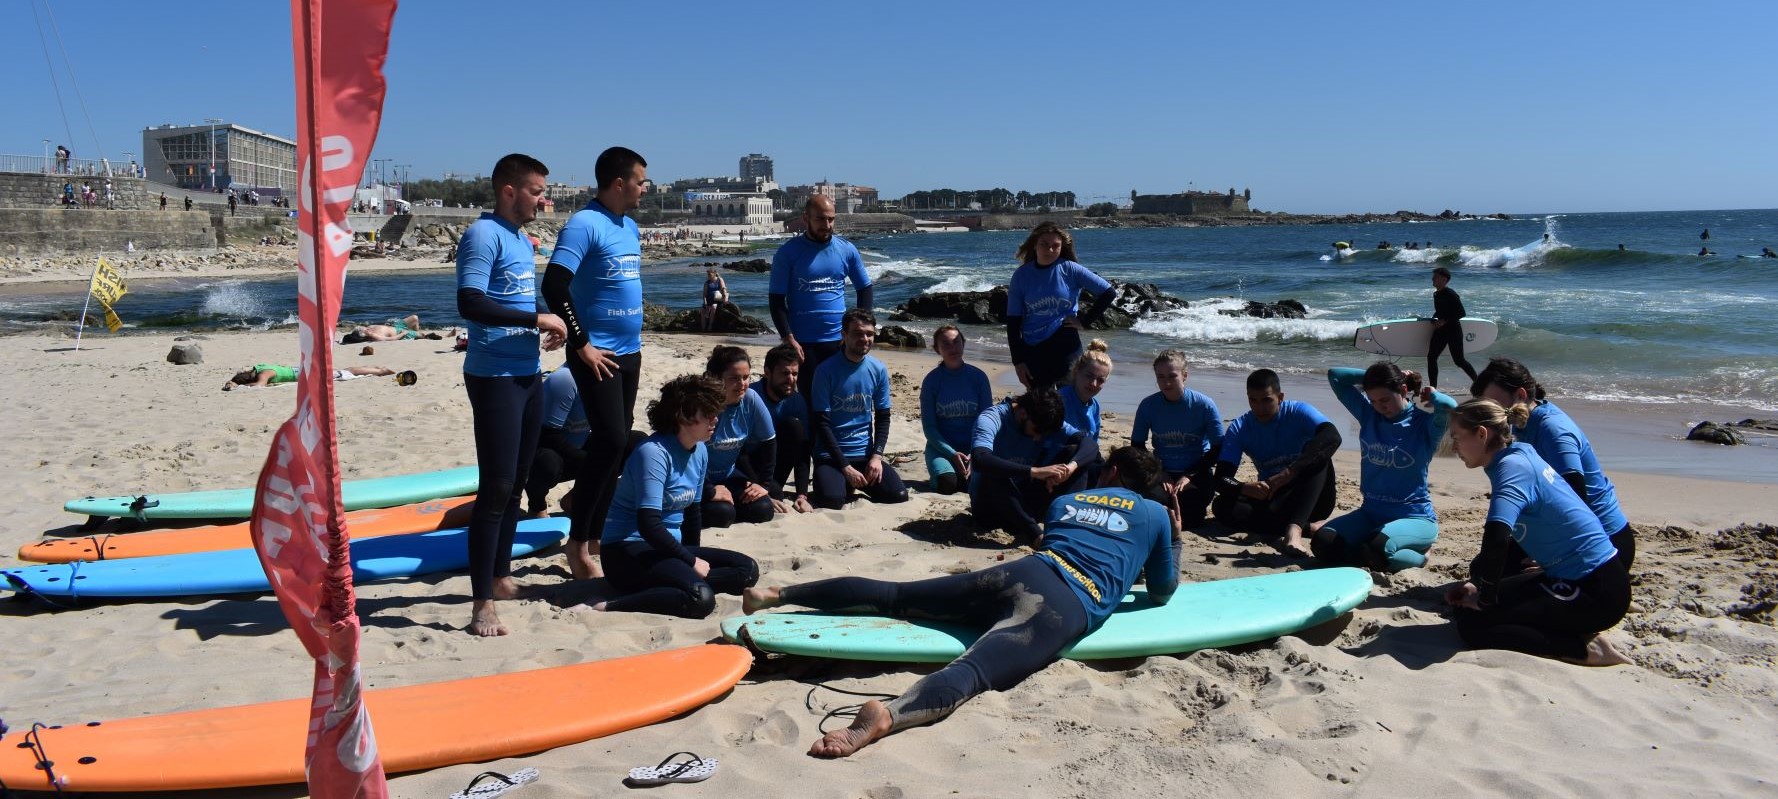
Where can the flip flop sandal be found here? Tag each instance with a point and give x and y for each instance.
(697, 769)
(497, 784)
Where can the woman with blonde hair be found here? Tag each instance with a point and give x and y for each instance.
(1583, 588)
(1080, 395)
(1043, 322)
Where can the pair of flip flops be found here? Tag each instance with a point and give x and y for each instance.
(696, 769)
(490, 784)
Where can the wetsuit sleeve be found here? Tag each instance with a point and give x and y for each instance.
(655, 532)
(1319, 450)
(866, 296)
(1086, 449)
(1490, 563)
(780, 314)
(1139, 428)
(1578, 482)
(1203, 471)
(1224, 476)
(691, 525)
(1160, 572)
(1344, 383)
(475, 306)
(985, 461)
(555, 293)
(760, 465)
(1015, 341)
(880, 442)
(1101, 302)
(824, 437)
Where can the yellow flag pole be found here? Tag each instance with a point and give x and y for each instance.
(81, 330)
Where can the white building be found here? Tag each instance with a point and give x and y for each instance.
(723, 208)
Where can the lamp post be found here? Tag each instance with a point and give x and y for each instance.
(382, 185)
(212, 122)
(46, 156)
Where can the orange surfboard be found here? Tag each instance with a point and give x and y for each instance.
(421, 517)
(417, 726)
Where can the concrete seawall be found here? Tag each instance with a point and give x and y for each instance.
(30, 233)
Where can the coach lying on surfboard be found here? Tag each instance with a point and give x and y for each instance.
(1093, 546)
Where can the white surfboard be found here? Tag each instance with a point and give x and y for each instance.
(1404, 337)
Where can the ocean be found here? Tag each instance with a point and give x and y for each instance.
(1650, 323)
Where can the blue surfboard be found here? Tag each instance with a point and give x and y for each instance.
(1199, 616)
(238, 571)
(237, 503)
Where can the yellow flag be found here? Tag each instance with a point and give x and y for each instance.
(108, 285)
(111, 320)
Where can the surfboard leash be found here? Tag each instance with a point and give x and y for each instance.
(34, 742)
(843, 711)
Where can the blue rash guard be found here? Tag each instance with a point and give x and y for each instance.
(1550, 523)
(1559, 441)
(604, 252)
(1098, 541)
(741, 427)
(950, 400)
(662, 475)
(1084, 416)
(998, 430)
(850, 394)
(1275, 444)
(1184, 431)
(562, 408)
(495, 258)
(1397, 452)
(812, 277)
(791, 407)
(1046, 295)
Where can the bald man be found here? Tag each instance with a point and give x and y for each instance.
(808, 287)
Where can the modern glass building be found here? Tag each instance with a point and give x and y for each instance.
(243, 158)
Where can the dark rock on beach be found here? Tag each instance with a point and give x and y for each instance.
(1131, 301)
(728, 319)
(185, 354)
(753, 265)
(898, 336)
(1282, 309)
(1714, 433)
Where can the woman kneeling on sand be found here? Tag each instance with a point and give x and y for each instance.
(1583, 588)
(649, 546)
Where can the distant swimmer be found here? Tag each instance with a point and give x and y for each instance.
(1546, 238)
(1706, 251)
(1620, 248)
(1766, 252)
(1705, 236)
(1384, 245)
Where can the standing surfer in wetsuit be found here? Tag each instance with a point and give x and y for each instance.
(1447, 327)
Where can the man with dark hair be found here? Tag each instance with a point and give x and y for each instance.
(1094, 545)
(496, 294)
(1447, 326)
(808, 287)
(594, 283)
(790, 417)
(1024, 455)
(1292, 446)
(849, 399)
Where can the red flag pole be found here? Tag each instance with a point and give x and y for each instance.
(298, 518)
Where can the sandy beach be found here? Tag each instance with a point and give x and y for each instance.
(1383, 703)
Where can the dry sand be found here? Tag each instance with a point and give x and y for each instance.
(1386, 704)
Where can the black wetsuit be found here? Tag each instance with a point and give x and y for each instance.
(1447, 306)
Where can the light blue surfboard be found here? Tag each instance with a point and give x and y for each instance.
(379, 492)
(238, 571)
(1199, 616)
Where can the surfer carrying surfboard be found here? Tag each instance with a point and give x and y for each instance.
(1447, 327)
(1094, 545)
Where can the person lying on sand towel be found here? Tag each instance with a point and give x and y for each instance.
(261, 375)
(1583, 589)
(1094, 545)
(404, 329)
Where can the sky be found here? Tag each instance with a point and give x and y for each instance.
(1316, 107)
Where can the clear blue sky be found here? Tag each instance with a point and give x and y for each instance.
(1318, 107)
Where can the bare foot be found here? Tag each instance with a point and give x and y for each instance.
(1600, 652)
(505, 588)
(873, 722)
(484, 621)
(757, 599)
(581, 563)
(1295, 549)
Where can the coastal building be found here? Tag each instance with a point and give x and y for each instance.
(724, 185)
(1192, 203)
(848, 198)
(725, 208)
(756, 167)
(242, 158)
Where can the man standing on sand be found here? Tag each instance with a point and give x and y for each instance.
(497, 295)
(1094, 545)
(808, 287)
(594, 282)
(1447, 327)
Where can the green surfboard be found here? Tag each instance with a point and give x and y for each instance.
(379, 492)
(1199, 616)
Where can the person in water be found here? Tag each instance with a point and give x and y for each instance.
(1561, 444)
(1766, 252)
(1095, 543)
(1042, 303)
(952, 395)
(1395, 525)
(650, 546)
(1447, 327)
(1292, 447)
(261, 375)
(1187, 431)
(1706, 251)
(1558, 611)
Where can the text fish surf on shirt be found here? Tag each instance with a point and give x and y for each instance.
(1049, 306)
(1177, 438)
(510, 284)
(820, 285)
(1388, 455)
(1103, 518)
(636, 311)
(852, 403)
(958, 409)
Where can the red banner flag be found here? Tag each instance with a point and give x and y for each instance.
(298, 519)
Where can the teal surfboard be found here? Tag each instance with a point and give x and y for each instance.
(238, 571)
(379, 492)
(1199, 616)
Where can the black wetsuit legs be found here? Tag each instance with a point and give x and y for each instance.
(793, 458)
(1016, 504)
(652, 581)
(1048, 361)
(508, 413)
(724, 514)
(1540, 615)
(814, 352)
(1451, 335)
(610, 413)
(556, 460)
(831, 490)
(1307, 499)
(1029, 613)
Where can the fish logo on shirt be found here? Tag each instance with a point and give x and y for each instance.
(624, 267)
(726, 444)
(1388, 455)
(959, 409)
(681, 498)
(818, 285)
(852, 403)
(1177, 438)
(1097, 517)
(1048, 306)
(511, 283)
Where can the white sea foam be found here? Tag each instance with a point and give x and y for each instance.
(1201, 322)
(232, 299)
(964, 282)
(1422, 256)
